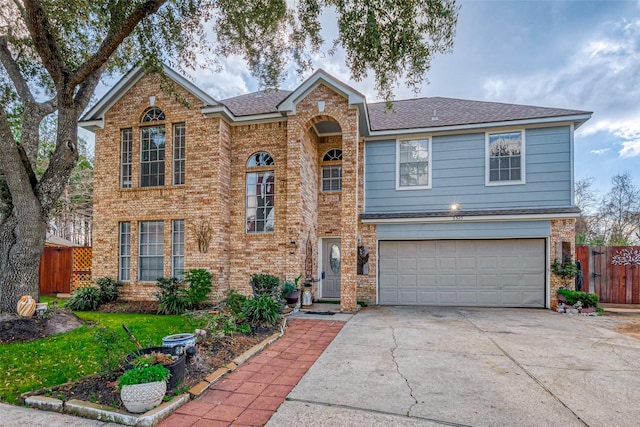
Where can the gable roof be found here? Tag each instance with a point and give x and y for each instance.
(255, 103)
(288, 105)
(438, 112)
(94, 118)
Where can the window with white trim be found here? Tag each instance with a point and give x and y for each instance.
(413, 164)
(152, 145)
(151, 251)
(177, 248)
(124, 263)
(505, 155)
(126, 141)
(260, 194)
(178, 153)
(332, 171)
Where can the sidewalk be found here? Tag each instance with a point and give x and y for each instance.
(251, 394)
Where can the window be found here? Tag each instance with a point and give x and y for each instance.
(178, 153)
(177, 248)
(152, 156)
(152, 149)
(260, 191)
(125, 252)
(126, 137)
(332, 171)
(413, 164)
(151, 251)
(504, 163)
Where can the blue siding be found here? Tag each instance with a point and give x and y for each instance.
(464, 230)
(459, 175)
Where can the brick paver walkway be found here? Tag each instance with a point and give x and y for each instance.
(249, 395)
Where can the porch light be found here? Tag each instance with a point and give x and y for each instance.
(455, 207)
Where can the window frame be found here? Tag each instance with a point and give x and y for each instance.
(177, 160)
(330, 162)
(177, 255)
(487, 158)
(124, 250)
(150, 162)
(257, 169)
(140, 251)
(124, 163)
(429, 140)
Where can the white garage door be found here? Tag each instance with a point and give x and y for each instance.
(492, 273)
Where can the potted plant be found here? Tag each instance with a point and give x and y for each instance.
(143, 387)
(291, 291)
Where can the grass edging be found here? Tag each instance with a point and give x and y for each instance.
(152, 417)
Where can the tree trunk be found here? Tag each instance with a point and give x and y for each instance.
(21, 245)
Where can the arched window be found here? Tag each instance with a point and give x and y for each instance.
(153, 114)
(260, 193)
(152, 144)
(332, 171)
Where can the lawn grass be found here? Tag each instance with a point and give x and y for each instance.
(87, 350)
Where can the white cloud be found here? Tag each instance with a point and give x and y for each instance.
(600, 151)
(630, 148)
(601, 76)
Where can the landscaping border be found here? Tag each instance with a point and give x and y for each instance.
(105, 413)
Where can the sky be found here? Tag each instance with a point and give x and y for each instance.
(574, 54)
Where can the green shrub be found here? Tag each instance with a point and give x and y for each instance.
(199, 281)
(86, 298)
(566, 270)
(572, 297)
(262, 310)
(109, 289)
(234, 301)
(265, 284)
(170, 299)
(143, 375)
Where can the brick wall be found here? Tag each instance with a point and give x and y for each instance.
(198, 198)
(562, 231)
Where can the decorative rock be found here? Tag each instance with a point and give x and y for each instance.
(26, 306)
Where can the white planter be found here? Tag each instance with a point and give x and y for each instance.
(139, 398)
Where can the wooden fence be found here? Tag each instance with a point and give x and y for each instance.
(63, 269)
(612, 272)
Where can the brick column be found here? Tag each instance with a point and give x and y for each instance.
(562, 230)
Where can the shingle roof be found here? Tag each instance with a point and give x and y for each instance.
(255, 103)
(418, 113)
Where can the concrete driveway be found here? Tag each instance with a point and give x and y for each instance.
(420, 366)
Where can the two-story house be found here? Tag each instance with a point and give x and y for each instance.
(437, 201)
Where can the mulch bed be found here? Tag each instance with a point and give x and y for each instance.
(213, 352)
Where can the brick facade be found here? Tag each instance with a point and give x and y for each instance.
(214, 192)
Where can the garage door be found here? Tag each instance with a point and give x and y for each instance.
(492, 273)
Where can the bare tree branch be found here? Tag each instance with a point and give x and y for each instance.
(82, 98)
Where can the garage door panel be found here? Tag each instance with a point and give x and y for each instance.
(427, 298)
(463, 272)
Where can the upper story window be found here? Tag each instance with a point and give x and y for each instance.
(126, 162)
(413, 167)
(260, 193)
(505, 158)
(179, 153)
(153, 114)
(332, 171)
(152, 145)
